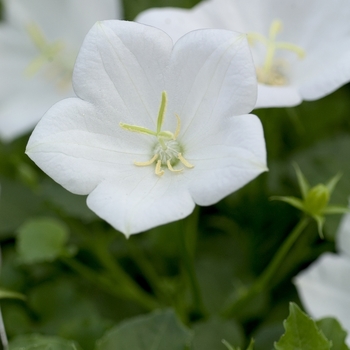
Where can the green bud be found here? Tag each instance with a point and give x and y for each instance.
(316, 200)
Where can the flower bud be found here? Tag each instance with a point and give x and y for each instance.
(316, 199)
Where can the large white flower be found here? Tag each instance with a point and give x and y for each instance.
(301, 49)
(156, 128)
(39, 41)
(324, 287)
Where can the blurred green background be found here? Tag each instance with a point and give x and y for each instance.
(236, 238)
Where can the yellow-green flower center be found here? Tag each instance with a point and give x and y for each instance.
(273, 70)
(53, 57)
(167, 151)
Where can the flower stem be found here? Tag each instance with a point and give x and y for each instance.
(188, 239)
(262, 283)
(146, 269)
(121, 290)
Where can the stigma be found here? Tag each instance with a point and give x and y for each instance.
(52, 56)
(273, 71)
(167, 152)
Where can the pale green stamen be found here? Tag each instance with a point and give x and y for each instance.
(167, 151)
(61, 70)
(270, 73)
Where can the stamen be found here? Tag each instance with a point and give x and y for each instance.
(172, 169)
(161, 112)
(184, 161)
(136, 128)
(149, 162)
(270, 73)
(166, 150)
(158, 171)
(178, 127)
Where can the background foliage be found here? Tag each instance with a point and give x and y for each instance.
(235, 241)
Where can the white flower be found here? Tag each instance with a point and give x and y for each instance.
(324, 287)
(301, 49)
(39, 41)
(156, 128)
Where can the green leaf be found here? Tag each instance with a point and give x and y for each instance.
(9, 294)
(333, 182)
(332, 329)
(230, 347)
(41, 342)
(208, 335)
(42, 239)
(293, 201)
(302, 181)
(156, 331)
(301, 333)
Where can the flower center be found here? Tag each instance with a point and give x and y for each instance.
(272, 70)
(166, 152)
(53, 56)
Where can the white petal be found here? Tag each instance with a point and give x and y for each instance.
(77, 145)
(343, 236)
(277, 96)
(229, 158)
(212, 77)
(76, 17)
(121, 69)
(141, 200)
(324, 288)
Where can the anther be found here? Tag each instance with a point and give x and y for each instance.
(172, 169)
(158, 171)
(149, 162)
(184, 161)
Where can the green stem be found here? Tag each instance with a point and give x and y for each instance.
(146, 269)
(118, 274)
(188, 239)
(119, 290)
(262, 283)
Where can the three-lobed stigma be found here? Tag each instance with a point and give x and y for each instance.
(167, 151)
(272, 72)
(60, 67)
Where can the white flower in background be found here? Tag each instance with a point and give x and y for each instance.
(301, 49)
(156, 128)
(39, 41)
(324, 287)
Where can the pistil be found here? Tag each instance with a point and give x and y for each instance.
(49, 53)
(167, 151)
(271, 72)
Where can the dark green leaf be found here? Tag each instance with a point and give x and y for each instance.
(301, 333)
(156, 331)
(332, 329)
(42, 239)
(209, 335)
(41, 342)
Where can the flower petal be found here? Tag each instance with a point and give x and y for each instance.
(134, 203)
(324, 288)
(120, 68)
(209, 82)
(234, 155)
(277, 96)
(76, 145)
(343, 236)
(73, 23)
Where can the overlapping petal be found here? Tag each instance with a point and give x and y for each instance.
(321, 28)
(324, 287)
(120, 73)
(24, 97)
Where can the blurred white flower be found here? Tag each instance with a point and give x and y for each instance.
(156, 128)
(324, 287)
(39, 42)
(301, 49)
